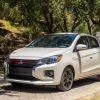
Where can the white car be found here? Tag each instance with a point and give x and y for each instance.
(54, 59)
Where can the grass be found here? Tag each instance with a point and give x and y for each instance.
(95, 96)
(7, 25)
(1, 72)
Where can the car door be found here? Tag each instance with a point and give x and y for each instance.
(95, 55)
(85, 57)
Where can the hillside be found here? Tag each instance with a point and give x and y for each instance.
(11, 38)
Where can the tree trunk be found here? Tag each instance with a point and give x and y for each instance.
(65, 24)
(90, 27)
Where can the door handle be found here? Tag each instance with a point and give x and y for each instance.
(90, 57)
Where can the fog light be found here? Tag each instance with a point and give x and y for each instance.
(49, 73)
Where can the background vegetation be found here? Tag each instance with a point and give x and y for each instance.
(21, 21)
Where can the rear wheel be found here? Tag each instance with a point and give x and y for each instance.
(66, 80)
(16, 84)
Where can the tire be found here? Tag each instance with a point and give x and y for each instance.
(16, 84)
(98, 77)
(66, 80)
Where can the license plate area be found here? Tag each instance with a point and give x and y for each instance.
(20, 71)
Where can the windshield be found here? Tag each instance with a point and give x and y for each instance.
(58, 40)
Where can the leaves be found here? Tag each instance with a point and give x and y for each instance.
(51, 15)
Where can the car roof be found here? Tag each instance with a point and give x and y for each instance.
(70, 33)
(64, 33)
(84, 34)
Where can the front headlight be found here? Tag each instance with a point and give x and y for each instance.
(50, 60)
(7, 59)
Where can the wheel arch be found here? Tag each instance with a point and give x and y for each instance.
(72, 68)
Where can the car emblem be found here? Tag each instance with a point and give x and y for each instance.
(20, 62)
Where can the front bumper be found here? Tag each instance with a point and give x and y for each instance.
(31, 82)
(38, 72)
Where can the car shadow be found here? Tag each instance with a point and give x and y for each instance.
(86, 81)
(43, 89)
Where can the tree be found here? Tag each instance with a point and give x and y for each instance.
(91, 10)
(53, 15)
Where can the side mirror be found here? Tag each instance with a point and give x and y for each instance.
(81, 47)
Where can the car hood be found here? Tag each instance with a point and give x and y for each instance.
(37, 52)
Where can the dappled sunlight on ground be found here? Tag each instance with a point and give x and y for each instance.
(80, 89)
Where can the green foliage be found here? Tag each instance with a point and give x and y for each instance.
(1, 72)
(82, 28)
(52, 15)
(47, 16)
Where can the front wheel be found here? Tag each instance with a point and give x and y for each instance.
(66, 80)
(98, 77)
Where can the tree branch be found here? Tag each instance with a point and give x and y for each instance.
(76, 24)
(44, 12)
(56, 27)
(65, 24)
(51, 21)
(89, 27)
(95, 22)
(40, 22)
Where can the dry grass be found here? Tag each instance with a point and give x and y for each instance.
(95, 96)
(13, 37)
(11, 31)
(7, 25)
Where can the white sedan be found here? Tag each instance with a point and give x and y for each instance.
(54, 59)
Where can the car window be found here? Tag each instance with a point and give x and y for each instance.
(93, 42)
(83, 40)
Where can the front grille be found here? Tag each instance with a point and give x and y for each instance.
(21, 67)
(22, 77)
(18, 61)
